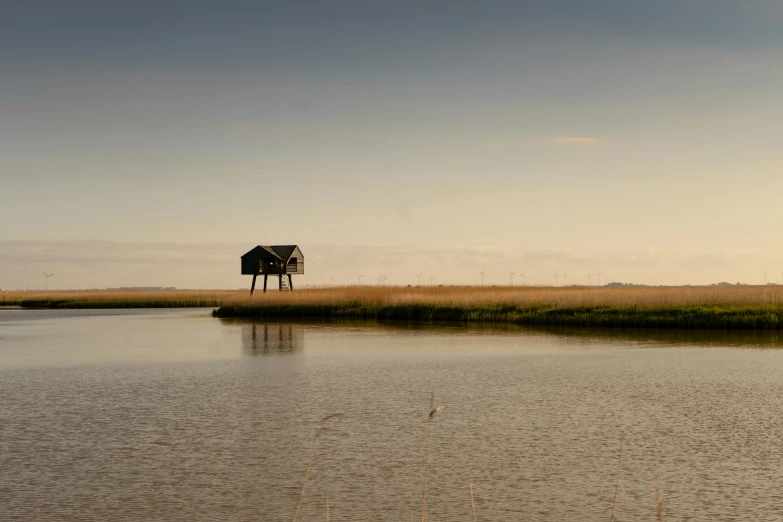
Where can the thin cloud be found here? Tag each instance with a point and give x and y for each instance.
(577, 141)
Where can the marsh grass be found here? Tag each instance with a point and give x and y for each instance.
(445, 296)
(524, 296)
(743, 307)
(121, 298)
(647, 307)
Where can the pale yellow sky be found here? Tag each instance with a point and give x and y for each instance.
(641, 143)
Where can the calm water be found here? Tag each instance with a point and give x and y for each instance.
(176, 416)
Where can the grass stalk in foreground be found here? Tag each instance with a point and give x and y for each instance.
(433, 410)
(660, 506)
(310, 460)
(472, 505)
(617, 481)
(306, 511)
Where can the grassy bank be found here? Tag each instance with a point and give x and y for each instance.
(711, 316)
(121, 298)
(755, 308)
(748, 307)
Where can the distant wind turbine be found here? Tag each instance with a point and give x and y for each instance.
(418, 278)
(331, 279)
(511, 276)
(431, 279)
(565, 278)
(765, 276)
(47, 279)
(599, 277)
(556, 276)
(360, 277)
(523, 276)
(483, 275)
(589, 280)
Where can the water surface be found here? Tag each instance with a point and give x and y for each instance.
(173, 415)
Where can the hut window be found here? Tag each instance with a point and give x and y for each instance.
(292, 262)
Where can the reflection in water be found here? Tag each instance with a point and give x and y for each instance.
(656, 337)
(671, 337)
(272, 339)
(287, 338)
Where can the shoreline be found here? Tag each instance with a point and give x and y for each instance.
(64, 304)
(677, 317)
(103, 299)
(732, 308)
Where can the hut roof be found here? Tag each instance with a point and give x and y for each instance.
(281, 252)
(284, 251)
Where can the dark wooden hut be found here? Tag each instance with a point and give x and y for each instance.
(279, 260)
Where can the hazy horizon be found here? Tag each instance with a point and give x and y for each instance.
(152, 144)
(105, 264)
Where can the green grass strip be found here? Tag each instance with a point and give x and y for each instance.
(737, 317)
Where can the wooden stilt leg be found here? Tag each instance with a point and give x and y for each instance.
(280, 282)
(265, 276)
(253, 286)
(290, 283)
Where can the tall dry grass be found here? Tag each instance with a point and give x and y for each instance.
(472, 296)
(122, 298)
(461, 296)
(750, 308)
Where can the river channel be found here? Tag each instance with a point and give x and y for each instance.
(141, 415)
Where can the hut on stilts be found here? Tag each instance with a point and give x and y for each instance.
(280, 260)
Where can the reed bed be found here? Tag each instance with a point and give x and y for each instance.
(746, 307)
(735, 307)
(120, 298)
(571, 296)
(464, 296)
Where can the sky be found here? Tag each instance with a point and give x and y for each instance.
(152, 143)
